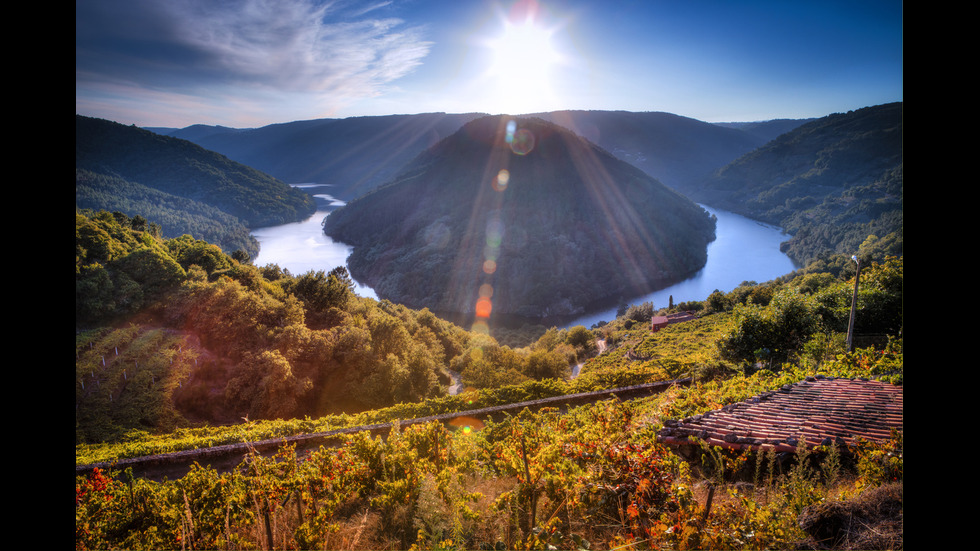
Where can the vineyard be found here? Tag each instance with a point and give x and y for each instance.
(593, 476)
(176, 463)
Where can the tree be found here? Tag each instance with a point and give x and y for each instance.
(241, 256)
(188, 251)
(322, 291)
(546, 364)
(771, 333)
(265, 386)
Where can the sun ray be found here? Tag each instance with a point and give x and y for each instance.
(523, 65)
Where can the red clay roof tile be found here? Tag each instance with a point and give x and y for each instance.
(818, 410)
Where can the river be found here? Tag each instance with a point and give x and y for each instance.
(302, 246)
(743, 250)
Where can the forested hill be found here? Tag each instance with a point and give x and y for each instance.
(354, 154)
(678, 151)
(178, 184)
(830, 183)
(357, 154)
(549, 221)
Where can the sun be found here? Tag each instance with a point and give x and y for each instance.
(522, 68)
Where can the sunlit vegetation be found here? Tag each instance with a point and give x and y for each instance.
(262, 343)
(593, 477)
(180, 346)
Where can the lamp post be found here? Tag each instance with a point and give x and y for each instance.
(854, 298)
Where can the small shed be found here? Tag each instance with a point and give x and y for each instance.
(659, 322)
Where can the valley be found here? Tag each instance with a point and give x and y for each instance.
(186, 348)
(743, 250)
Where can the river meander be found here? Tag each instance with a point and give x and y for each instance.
(743, 250)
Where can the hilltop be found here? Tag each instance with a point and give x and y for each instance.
(352, 155)
(678, 151)
(547, 219)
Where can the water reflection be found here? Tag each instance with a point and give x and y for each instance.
(744, 250)
(302, 246)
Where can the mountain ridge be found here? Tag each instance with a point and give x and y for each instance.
(674, 149)
(139, 172)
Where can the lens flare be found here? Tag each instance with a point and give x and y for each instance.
(523, 142)
(500, 182)
(524, 62)
(467, 424)
(483, 307)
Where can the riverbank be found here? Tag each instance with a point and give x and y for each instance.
(743, 250)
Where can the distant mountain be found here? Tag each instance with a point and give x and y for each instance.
(676, 150)
(354, 155)
(358, 154)
(532, 218)
(830, 182)
(765, 130)
(178, 184)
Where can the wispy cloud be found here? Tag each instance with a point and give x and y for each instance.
(332, 52)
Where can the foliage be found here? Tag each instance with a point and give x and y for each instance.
(175, 216)
(810, 305)
(265, 343)
(589, 476)
(593, 476)
(829, 183)
(771, 334)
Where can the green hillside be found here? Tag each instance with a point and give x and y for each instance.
(181, 186)
(829, 183)
(223, 352)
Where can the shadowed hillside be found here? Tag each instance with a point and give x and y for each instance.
(353, 155)
(547, 220)
(830, 183)
(183, 186)
(676, 150)
(357, 154)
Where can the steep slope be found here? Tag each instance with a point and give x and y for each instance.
(183, 169)
(174, 215)
(354, 154)
(830, 182)
(528, 218)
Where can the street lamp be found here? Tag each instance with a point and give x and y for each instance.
(850, 323)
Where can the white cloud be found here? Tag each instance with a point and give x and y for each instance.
(331, 51)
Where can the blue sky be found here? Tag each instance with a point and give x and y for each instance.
(249, 63)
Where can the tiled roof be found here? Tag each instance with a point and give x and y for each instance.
(819, 410)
